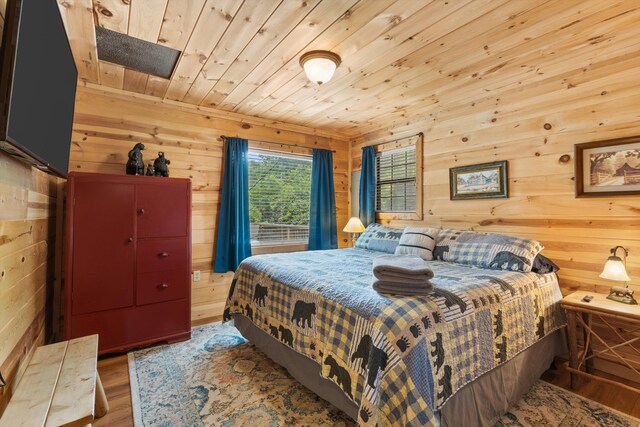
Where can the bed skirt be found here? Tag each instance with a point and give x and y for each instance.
(479, 403)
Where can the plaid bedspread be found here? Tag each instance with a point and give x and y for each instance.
(398, 358)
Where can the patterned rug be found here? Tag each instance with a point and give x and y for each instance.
(219, 379)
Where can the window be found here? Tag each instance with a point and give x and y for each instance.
(396, 180)
(279, 194)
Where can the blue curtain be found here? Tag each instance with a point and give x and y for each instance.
(234, 239)
(368, 186)
(322, 221)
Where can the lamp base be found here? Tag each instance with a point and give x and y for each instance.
(622, 294)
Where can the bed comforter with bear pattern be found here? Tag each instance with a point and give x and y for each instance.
(398, 358)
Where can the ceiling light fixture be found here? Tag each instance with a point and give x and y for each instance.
(319, 65)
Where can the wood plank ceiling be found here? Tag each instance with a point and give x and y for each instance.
(402, 61)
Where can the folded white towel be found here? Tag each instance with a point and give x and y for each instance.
(403, 269)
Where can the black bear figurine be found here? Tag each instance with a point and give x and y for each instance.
(149, 170)
(161, 165)
(135, 165)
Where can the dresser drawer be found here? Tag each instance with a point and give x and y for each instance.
(130, 327)
(162, 254)
(158, 286)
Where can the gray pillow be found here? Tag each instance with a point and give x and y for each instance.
(543, 265)
(378, 237)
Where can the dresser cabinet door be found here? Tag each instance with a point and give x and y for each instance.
(103, 246)
(162, 210)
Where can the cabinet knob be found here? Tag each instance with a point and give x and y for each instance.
(163, 254)
(163, 286)
(140, 211)
(130, 240)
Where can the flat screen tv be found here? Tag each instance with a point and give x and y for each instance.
(37, 85)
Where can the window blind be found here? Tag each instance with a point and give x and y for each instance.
(396, 180)
(279, 194)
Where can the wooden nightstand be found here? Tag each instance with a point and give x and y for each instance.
(605, 310)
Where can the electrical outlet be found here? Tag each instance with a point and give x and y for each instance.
(196, 276)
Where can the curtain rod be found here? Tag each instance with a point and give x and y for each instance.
(280, 143)
(396, 140)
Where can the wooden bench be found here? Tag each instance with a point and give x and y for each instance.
(60, 387)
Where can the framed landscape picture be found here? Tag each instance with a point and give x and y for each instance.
(482, 181)
(606, 168)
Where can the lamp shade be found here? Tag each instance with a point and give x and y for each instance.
(354, 226)
(614, 270)
(319, 65)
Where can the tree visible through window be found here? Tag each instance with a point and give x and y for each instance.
(396, 180)
(279, 194)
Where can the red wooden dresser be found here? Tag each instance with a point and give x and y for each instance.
(128, 259)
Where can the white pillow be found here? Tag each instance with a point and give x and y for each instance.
(418, 241)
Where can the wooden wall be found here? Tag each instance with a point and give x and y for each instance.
(534, 126)
(108, 122)
(27, 246)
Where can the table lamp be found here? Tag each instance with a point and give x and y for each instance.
(615, 269)
(354, 226)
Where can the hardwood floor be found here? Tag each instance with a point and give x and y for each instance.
(610, 395)
(114, 372)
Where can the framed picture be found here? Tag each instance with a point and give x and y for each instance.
(483, 181)
(608, 168)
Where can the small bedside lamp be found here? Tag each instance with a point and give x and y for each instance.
(615, 269)
(354, 226)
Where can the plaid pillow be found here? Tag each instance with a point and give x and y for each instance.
(378, 237)
(486, 250)
(418, 241)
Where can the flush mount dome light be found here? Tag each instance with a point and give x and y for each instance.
(319, 65)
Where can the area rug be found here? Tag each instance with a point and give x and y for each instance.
(219, 379)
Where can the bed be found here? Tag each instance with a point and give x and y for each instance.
(459, 356)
